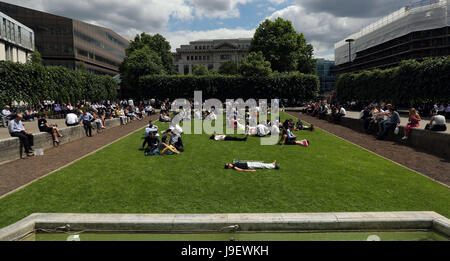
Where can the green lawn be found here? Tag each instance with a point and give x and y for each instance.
(329, 176)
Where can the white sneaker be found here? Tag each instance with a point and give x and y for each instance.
(405, 138)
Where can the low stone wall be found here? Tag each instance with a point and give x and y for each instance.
(436, 143)
(10, 148)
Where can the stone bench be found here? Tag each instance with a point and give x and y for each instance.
(10, 149)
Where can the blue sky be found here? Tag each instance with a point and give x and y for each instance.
(323, 22)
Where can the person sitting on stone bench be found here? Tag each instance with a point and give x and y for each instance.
(72, 120)
(437, 123)
(391, 123)
(44, 126)
(16, 129)
(5, 114)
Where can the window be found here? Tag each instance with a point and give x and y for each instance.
(186, 69)
(225, 57)
(20, 36)
(200, 58)
(210, 67)
(196, 58)
(195, 47)
(187, 57)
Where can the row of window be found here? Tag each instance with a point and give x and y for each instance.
(115, 51)
(207, 47)
(191, 67)
(95, 57)
(16, 34)
(207, 57)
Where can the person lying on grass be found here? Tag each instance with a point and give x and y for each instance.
(226, 138)
(300, 126)
(290, 139)
(251, 166)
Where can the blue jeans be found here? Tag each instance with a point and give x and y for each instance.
(385, 126)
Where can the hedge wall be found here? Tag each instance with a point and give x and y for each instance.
(33, 83)
(410, 83)
(298, 86)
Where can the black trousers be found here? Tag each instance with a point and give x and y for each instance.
(27, 140)
(87, 128)
(436, 127)
(229, 138)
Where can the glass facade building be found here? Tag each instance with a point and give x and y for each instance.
(327, 75)
(70, 43)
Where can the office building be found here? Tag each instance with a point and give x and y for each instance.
(417, 31)
(327, 76)
(16, 40)
(70, 43)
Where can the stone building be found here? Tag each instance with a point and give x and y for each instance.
(210, 53)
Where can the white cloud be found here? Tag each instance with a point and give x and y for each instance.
(218, 8)
(277, 2)
(321, 29)
(271, 9)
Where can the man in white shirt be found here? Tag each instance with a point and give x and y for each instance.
(16, 129)
(5, 113)
(72, 120)
(437, 123)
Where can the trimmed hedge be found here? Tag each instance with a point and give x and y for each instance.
(298, 86)
(410, 83)
(32, 83)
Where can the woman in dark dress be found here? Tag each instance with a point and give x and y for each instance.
(45, 127)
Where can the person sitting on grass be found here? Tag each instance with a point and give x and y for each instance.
(291, 139)
(175, 139)
(153, 142)
(165, 149)
(164, 117)
(44, 126)
(251, 166)
(413, 123)
(437, 122)
(300, 126)
(227, 138)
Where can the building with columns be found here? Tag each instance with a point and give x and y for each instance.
(210, 53)
(16, 40)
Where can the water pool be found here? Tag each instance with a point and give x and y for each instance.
(332, 236)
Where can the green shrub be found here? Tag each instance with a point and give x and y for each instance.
(32, 83)
(294, 85)
(409, 83)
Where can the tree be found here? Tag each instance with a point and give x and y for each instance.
(155, 43)
(254, 65)
(283, 47)
(229, 68)
(139, 63)
(35, 58)
(199, 70)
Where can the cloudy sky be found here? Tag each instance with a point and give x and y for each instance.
(323, 22)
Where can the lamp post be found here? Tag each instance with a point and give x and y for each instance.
(349, 41)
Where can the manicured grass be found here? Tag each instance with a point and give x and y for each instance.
(329, 176)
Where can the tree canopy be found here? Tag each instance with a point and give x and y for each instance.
(254, 65)
(283, 47)
(229, 68)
